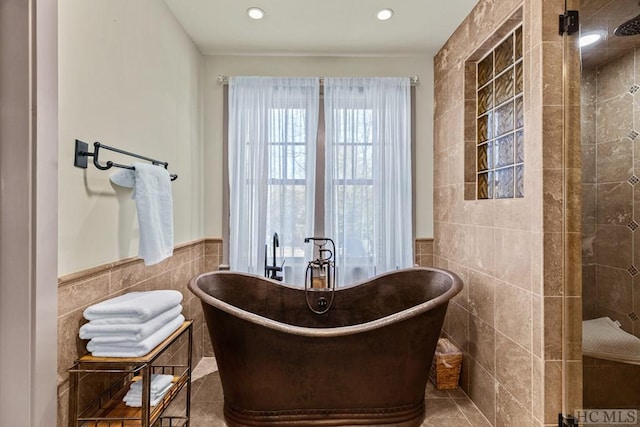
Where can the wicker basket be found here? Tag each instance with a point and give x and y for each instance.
(447, 361)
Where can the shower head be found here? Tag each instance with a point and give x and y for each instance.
(629, 28)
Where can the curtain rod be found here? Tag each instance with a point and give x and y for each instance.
(223, 80)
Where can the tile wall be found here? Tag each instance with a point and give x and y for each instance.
(79, 290)
(423, 251)
(611, 189)
(509, 252)
(611, 218)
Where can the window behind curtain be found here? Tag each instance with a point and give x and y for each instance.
(363, 185)
(287, 187)
(353, 181)
(368, 175)
(272, 128)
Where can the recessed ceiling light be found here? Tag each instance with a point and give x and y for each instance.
(588, 39)
(385, 14)
(255, 13)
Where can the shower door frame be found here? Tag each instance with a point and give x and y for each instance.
(571, 224)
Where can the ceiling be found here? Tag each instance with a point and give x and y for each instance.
(320, 27)
(603, 16)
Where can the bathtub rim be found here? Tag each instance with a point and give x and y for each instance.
(408, 313)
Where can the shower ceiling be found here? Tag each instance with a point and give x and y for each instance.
(603, 17)
(320, 27)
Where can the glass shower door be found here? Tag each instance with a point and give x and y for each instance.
(609, 127)
(571, 230)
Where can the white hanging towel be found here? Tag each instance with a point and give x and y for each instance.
(154, 203)
(133, 307)
(123, 178)
(603, 338)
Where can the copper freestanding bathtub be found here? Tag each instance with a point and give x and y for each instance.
(365, 361)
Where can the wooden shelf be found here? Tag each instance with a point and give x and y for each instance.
(109, 409)
(116, 409)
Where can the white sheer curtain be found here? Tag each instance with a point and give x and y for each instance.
(272, 143)
(368, 190)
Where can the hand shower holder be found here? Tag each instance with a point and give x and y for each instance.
(320, 276)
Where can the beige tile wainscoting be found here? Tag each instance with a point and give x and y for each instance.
(423, 251)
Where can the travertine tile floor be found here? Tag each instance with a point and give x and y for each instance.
(451, 408)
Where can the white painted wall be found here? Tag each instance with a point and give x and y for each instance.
(421, 66)
(130, 78)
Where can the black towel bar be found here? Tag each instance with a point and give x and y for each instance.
(81, 154)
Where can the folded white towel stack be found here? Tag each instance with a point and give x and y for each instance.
(133, 324)
(160, 385)
(103, 333)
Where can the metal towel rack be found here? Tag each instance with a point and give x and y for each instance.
(81, 154)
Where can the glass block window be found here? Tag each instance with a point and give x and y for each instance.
(500, 121)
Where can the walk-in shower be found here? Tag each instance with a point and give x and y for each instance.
(610, 140)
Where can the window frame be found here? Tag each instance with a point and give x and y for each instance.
(509, 27)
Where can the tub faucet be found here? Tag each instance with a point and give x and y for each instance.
(271, 271)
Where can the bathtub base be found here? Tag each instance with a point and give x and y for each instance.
(405, 416)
